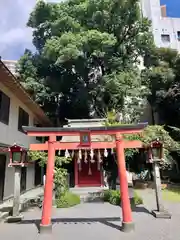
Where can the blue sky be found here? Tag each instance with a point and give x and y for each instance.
(15, 37)
(173, 7)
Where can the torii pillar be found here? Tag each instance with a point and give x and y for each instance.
(127, 223)
(46, 224)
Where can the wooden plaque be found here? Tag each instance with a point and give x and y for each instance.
(85, 139)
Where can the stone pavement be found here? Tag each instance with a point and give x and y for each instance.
(97, 221)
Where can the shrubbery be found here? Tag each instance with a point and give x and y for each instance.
(114, 197)
(67, 199)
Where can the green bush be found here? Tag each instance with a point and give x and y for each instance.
(137, 199)
(67, 199)
(106, 195)
(114, 197)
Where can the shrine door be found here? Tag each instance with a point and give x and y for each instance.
(89, 174)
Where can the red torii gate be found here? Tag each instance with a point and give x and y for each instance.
(52, 145)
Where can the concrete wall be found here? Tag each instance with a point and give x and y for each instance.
(9, 179)
(161, 25)
(9, 133)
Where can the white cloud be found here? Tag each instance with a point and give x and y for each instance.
(14, 35)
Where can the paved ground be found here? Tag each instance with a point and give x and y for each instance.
(98, 221)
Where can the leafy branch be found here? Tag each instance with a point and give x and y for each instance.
(149, 134)
(60, 174)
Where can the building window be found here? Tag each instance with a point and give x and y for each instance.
(4, 108)
(23, 119)
(178, 35)
(39, 139)
(165, 38)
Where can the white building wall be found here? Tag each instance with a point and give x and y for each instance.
(146, 8)
(9, 180)
(161, 25)
(9, 135)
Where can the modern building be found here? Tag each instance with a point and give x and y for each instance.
(17, 109)
(172, 7)
(166, 30)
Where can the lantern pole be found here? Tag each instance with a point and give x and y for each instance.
(16, 216)
(160, 212)
(17, 190)
(157, 183)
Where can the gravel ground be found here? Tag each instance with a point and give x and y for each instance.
(98, 221)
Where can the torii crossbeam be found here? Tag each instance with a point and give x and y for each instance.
(86, 143)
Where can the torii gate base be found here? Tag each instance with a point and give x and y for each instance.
(52, 145)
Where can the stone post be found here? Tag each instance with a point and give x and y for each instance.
(16, 217)
(160, 212)
(17, 190)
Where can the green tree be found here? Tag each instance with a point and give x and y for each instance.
(149, 134)
(60, 173)
(87, 55)
(159, 77)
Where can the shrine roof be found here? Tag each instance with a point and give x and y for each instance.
(125, 127)
(89, 120)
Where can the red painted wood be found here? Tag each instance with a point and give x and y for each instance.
(76, 145)
(126, 207)
(86, 180)
(76, 172)
(69, 133)
(102, 176)
(48, 190)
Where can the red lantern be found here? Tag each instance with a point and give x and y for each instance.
(156, 151)
(18, 155)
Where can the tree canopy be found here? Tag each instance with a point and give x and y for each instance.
(161, 77)
(87, 56)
